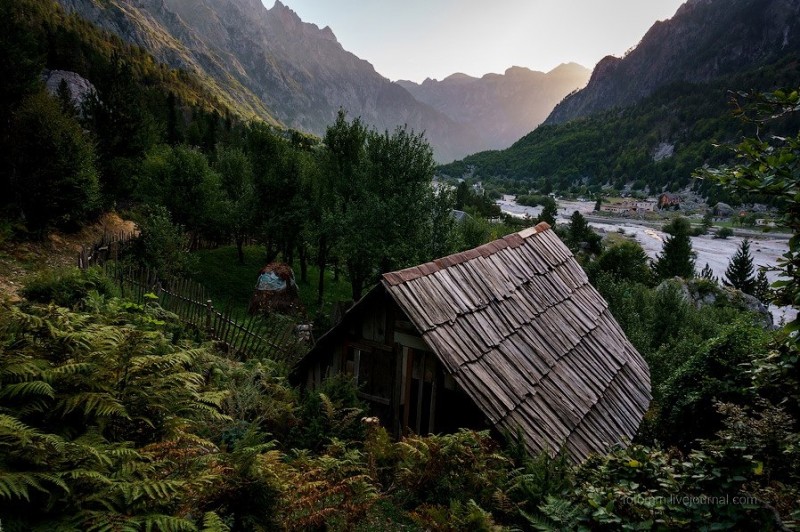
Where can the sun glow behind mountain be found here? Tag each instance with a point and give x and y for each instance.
(416, 39)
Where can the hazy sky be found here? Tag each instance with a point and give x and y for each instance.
(415, 39)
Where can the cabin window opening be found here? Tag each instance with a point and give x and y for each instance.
(376, 374)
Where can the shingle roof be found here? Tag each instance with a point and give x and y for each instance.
(526, 336)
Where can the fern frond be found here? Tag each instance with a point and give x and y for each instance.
(74, 368)
(17, 485)
(165, 523)
(27, 389)
(87, 474)
(328, 407)
(100, 404)
(213, 523)
(20, 370)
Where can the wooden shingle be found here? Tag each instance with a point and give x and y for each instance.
(530, 341)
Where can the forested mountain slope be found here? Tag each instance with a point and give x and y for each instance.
(657, 142)
(274, 65)
(654, 116)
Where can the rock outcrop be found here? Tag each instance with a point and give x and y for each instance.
(705, 40)
(79, 87)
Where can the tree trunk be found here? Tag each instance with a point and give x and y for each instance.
(321, 259)
(239, 250)
(302, 253)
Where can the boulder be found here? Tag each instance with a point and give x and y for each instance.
(702, 292)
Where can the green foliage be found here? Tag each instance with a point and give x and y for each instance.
(761, 287)
(580, 236)
(90, 414)
(162, 245)
(239, 195)
(330, 412)
(54, 180)
(549, 211)
(740, 274)
(676, 258)
(378, 206)
(181, 180)
(723, 232)
(66, 287)
(622, 261)
(711, 372)
(642, 489)
(436, 470)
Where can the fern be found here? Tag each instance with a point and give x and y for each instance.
(27, 390)
(213, 523)
(17, 485)
(557, 514)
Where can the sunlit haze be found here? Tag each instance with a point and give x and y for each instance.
(416, 39)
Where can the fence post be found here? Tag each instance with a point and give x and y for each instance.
(209, 313)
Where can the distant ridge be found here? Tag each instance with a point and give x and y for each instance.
(500, 107)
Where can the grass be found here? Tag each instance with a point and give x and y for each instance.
(229, 282)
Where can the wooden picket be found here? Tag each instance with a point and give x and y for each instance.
(256, 336)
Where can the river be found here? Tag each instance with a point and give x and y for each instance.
(766, 248)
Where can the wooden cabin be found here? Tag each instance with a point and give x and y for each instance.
(509, 335)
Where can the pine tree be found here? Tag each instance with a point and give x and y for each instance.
(740, 271)
(580, 234)
(761, 287)
(708, 273)
(549, 211)
(676, 258)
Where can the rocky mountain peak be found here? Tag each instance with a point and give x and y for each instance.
(285, 14)
(704, 40)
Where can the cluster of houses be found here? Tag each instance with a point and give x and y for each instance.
(635, 206)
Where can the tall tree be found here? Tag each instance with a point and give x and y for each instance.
(341, 179)
(549, 211)
(580, 235)
(239, 198)
(677, 258)
(740, 272)
(54, 179)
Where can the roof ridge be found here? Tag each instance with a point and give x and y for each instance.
(509, 241)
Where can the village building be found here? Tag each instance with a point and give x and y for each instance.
(629, 207)
(510, 335)
(668, 200)
(646, 206)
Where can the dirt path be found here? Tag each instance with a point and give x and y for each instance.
(21, 259)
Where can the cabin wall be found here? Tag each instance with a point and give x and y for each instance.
(398, 375)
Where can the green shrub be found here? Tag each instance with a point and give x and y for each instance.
(66, 287)
(724, 232)
(332, 411)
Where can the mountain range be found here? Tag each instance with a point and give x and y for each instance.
(704, 41)
(501, 108)
(272, 65)
(651, 118)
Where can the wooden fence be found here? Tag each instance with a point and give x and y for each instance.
(273, 337)
(109, 247)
